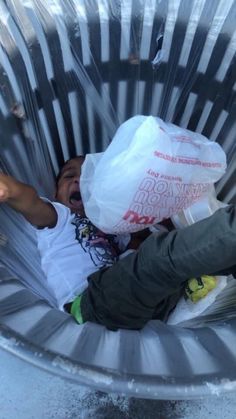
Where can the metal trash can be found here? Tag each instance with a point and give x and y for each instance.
(70, 72)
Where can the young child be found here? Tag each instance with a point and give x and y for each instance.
(83, 267)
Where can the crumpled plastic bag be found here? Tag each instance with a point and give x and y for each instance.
(186, 309)
(150, 171)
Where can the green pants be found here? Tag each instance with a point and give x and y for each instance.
(146, 284)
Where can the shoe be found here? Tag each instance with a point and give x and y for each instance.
(198, 288)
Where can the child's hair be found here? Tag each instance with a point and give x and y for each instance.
(67, 161)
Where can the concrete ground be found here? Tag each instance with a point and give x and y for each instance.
(29, 393)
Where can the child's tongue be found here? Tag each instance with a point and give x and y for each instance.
(75, 199)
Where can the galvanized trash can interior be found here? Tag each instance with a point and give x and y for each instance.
(70, 72)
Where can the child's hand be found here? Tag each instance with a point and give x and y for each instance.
(25, 200)
(5, 182)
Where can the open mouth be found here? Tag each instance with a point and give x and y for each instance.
(76, 200)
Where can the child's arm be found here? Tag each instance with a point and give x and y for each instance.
(24, 199)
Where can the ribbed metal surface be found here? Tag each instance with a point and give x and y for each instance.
(70, 73)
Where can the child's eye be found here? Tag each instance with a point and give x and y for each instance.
(69, 176)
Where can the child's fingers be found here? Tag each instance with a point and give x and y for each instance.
(5, 184)
(4, 192)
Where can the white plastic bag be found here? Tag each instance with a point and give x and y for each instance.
(150, 171)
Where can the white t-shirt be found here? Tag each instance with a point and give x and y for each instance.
(73, 250)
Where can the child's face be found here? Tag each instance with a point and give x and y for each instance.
(68, 185)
